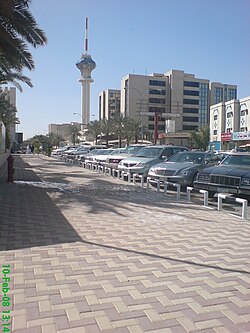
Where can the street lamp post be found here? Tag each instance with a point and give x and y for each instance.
(82, 124)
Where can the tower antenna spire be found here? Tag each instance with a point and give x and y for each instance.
(86, 35)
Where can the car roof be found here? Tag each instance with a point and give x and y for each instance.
(239, 153)
(164, 146)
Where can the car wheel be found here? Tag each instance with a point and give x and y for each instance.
(211, 194)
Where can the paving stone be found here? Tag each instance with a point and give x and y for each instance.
(90, 253)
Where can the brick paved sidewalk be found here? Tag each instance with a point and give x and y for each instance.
(89, 253)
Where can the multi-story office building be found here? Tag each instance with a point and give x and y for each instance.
(144, 95)
(189, 99)
(109, 103)
(220, 92)
(180, 100)
(230, 124)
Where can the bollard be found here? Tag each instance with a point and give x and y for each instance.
(165, 187)
(134, 178)
(220, 197)
(205, 197)
(244, 207)
(11, 170)
(148, 183)
(158, 185)
(129, 177)
(189, 189)
(142, 180)
(178, 190)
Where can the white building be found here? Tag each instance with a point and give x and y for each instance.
(109, 103)
(230, 124)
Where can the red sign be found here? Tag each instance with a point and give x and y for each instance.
(226, 136)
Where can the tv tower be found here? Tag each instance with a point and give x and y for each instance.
(86, 66)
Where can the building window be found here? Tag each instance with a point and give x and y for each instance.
(230, 114)
(218, 95)
(156, 109)
(215, 117)
(244, 112)
(190, 110)
(243, 129)
(157, 83)
(190, 127)
(191, 84)
(232, 94)
(191, 92)
(157, 92)
(191, 101)
(215, 132)
(157, 100)
(191, 119)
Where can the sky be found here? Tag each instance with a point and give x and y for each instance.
(207, 38)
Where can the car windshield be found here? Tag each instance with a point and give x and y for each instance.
(149, 152)
(196, 158)
(105, 152)
(240, 160)
(132, 149)
(118, 151)
(96, 151)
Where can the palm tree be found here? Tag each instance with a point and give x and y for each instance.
(55, 139)
(119, 120)
(107, 129)
(18, 30)
(132, 129)
(7, 115)
(200, 138)
(94, 128)
(9, 75)
(73, 133)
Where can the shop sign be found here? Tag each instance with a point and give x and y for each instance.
(226, 136)
(241, 136)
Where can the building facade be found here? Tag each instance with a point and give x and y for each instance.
(64, 130)
(220, 92)
(181, 101)
(109, 103)
(230, 124)
(143, 96)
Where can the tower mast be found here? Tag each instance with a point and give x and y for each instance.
(86, 65)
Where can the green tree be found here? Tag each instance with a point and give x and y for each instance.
(18, 30)
(94, 128)
(107, 128)
(73, 133)
(200, 139)
(118, 126)
(55, 139)
(7, 115)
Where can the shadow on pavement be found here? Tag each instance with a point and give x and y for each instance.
(28, 216)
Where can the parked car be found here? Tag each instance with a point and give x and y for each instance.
(232, 175)
(182, 167)
(80, 155)
(146, 157)
(113, 161)
(61, 150)
(94, 159)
